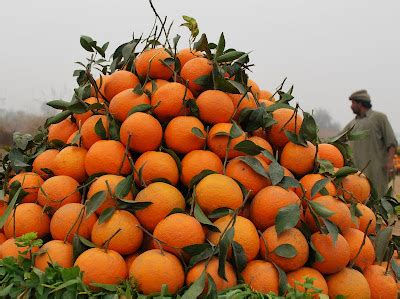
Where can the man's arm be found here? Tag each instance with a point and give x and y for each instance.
(390, 162)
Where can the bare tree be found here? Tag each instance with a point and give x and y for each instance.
(326, 124)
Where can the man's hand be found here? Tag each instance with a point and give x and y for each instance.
(390, 163)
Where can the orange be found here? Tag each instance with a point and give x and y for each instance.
(261, 276)
(124, 101)
(286, 121)
(308, 181)
(241, 102)
(349, 283)
(381, 284)
(170, 100)
(254, 88)
(152, 85)
(267, 95)
(127, 240)
(82, 117)
(362, 221)
(154, 268)
(164, 199)
(58, 191)
(218, 191)
(44, 160)
(107, 183)
(217, 140)
(212, 269)
(367, 255)
(179, 136)
(55, 252)
(67, 219)
(244, 174)
(215, 106)
(100, 266)
(245, 234)
(331, 153)
(266, 102)
(30, 183)
(107, 156)
(300, 275)
(177, 231)
(196, 161)
(342, 216)
(88, 131)
(74, 136)
(266, 204)
(2, 240)
(194, 70)
(62, 130)
(9, 248)
(101, 84)
(355, 187)
(27, 217)
(156, 165)
(297, 158)
(291, 236)
(335, 255)
(70, 161)
(129, 260)
(152, 62)
(119, 81)
(145, 131)
(187, 54)
(265, 145)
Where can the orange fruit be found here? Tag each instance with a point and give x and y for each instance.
(169, 100)
(107, 156)
(129, 260)
(215, 106)
(254, 88)
(154, 268)
(362, 221)
(127, 240)
(331, 153)
(62, 130)
(55, 252)
(9, 248)
(30, 183)
(88, 131)
(152, 85)
(241, 102)
(267, 95)
(119, 81)
(151, 62)
(124, 101)
(308, 181)
(355, 187)
(44, 160)
(286, 121)
(335, 255)
(244, 174)
(101, 84)
(217, 140)
(381, 284)
(145, 131)
(300, 275)
(212, 269)
(107, 183)
(179, 136)
(2, 240)
(297, 158)
(341, 216)
(164, 199)
(100, 266)
(262, 276)
(73, 139)
(58, 191)
(349, 283)
(27, 217)
(266, 102)
(245, 234)
(67, 219)
(196, 161)
(82, 117)
(177, 231)
(266, 204)
(194, 70)
(292, 237)
(265, 145)
(70, 161)
(218, 191)
(187, 54)
(366, 256)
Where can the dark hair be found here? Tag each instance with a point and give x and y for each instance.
(365, 104)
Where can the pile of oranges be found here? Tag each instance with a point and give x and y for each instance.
(186, 168)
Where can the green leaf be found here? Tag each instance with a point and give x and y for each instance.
(106, 214)
(6, 291)
(320, 209)
(191, 24)
(239, 256)
(22, 140)
(344, 171)
(276, 173)
(58, 104)
(65, 285)
(78, 107)
(107, 287)
(268, 155)
(318, 256)
(254, 164)
(325, 166)
(289, 182)
(224, 245)
(202, 45)
(240, 87)
(100, 130)
(319, 187)
(248, 147)
(382, 240)
(199, 133)
(287, 218)
(212, 288)
(221, 46)
(283, 283)
(197, 178)
(95, 202)
(86, 43)
(220, 212)
(113, 128)
(195, 290)
(10, 207)
(203, 255)
(57, 118)
(175, 156)
(140, 108)
(230, 56)
(332, 229)
(196, 248)
(202, 218)
(204, 81)
(285, 250)
(235, 131)
(308, 129)
(194, 109)
(296, 139)
(124, 187)
(132, 205)
(395, 268)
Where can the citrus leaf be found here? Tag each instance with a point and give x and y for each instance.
(86, 242)
(318, 256)
(79, 107)
(140, 108)
(58, 104)
(196, 248)
(205, 254)
(132, 205)
(276, 173)
(325, 166)
(124, 187)
(230, 56)
(202, 218)
(199, 133)
(175, 157)
(235, 131)
(239, 256)
(289, 182)
(255, 165)
(86, 43)
(248, 147)
(57, 118)
(10, 207)
(106, 214)
(283, 283)
(100, 130)
(267, 154)
(95, 202)
(220, 212)
(382, 240)
(344, 171)
(196, 289)
(287, 218)
(320, 209)
(224, 245)
(319, 187)
(221, 45)
(197, 178)
(332, 229)
(285, 250)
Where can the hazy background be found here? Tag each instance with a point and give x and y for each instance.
(326, 49)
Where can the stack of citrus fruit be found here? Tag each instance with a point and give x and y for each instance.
(167, 172)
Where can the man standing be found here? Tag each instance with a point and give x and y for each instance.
(374, 153)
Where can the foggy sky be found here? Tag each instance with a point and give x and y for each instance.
(327, 49)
